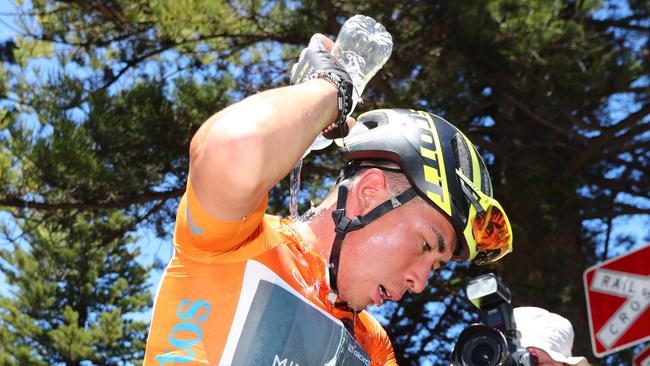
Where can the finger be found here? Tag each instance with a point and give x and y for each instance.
(316, 43)
(350, 122)
(327, 43)
(320, 41)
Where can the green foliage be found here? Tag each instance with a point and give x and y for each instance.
(27, 49)
(71, 289)
(94, 145)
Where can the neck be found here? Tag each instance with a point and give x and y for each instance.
(318, 230)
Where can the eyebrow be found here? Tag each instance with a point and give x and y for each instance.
(441, 241)
(441, 244)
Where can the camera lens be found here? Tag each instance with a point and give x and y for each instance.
(482, 354)
(482, 351)
(480, 345)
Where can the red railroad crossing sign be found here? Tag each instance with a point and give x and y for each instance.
(643, 358)
(618, 301)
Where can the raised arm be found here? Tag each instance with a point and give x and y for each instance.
(242, 151)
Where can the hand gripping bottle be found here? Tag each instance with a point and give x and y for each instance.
(362, 47)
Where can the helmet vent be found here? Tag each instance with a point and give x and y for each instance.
(373, 119)
(486, 185)
(462, 155)
(371, 124)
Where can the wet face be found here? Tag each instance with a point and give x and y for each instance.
(394, 254)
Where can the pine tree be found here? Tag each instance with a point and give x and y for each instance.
(75, 287)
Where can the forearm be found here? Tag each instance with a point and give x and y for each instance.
(242, 151)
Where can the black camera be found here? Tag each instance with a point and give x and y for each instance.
(495, 341)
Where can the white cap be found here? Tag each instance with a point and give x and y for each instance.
(548, 331)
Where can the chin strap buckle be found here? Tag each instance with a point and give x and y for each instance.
(340, 221)
(344, 224)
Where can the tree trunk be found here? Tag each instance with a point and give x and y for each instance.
(546, 266)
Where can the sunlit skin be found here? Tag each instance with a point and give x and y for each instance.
(397, 251)
(543, 358)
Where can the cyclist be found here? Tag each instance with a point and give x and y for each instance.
(247, 288)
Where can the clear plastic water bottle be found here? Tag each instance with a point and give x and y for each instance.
(362, 47)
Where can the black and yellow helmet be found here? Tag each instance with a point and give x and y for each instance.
(443, 167)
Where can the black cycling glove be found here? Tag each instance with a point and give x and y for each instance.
(316, 62)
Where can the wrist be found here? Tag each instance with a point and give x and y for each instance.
(323, 84)
(327, 92)
(343, 88)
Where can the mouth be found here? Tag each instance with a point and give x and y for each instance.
(383, 295)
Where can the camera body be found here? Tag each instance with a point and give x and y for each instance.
(494, 341)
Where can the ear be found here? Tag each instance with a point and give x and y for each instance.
(370, 190)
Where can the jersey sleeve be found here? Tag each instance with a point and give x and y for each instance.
(201, 237)
(382, 353)
(375, 341)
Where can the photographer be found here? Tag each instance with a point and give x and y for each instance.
(523, 336)
(547, 336)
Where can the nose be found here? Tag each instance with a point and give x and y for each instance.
(416, 281)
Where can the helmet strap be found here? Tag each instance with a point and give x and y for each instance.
(343, 224)
(470, 197)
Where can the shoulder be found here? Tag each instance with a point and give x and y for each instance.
(373, 338)
(372, 325)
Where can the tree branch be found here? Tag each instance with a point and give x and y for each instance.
(618, 209)
(619, 185)
(13, 201)
(537, 118)
(625, 142)
(597, 145)
(622, 23)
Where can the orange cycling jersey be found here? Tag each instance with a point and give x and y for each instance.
(250, 292)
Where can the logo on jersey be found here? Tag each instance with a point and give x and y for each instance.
(196, 230)
(187, 333)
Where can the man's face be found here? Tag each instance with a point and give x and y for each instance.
(394, 254)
